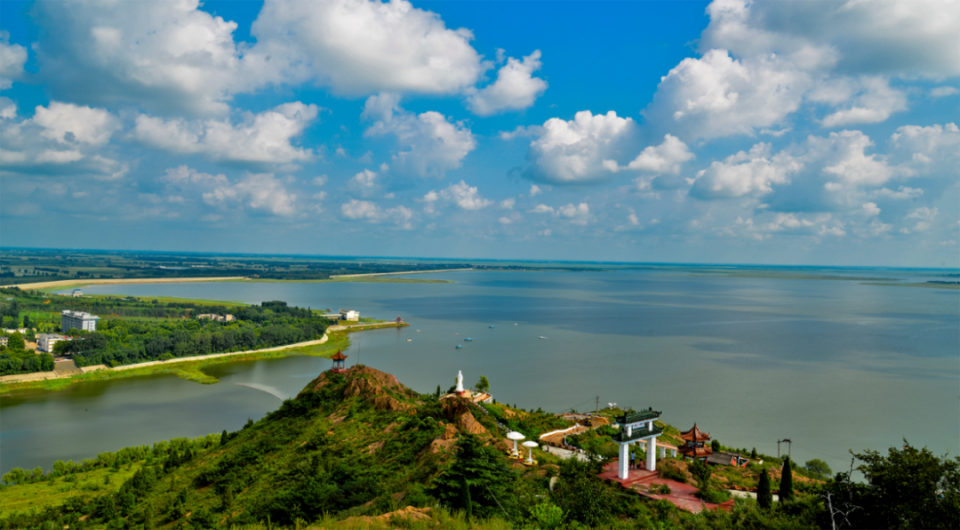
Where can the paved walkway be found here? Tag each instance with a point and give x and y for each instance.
(681, 495)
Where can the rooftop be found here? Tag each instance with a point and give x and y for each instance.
(695, 434)
(636, 434)
(637, 416)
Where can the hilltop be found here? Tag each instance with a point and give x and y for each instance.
(361, 450)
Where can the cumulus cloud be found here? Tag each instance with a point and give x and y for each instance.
(357, 210)
(166, 57)
(465, 197)
(573, 152)
(875, 103)
(259, 191)
(12, 58)
(943, 91)
(931, 150)
(578, 214)
(364, 183)
(61, 138)
(260, 138)
(745, 173)
(363, 46)
(664, 158)
(514, 89)
(430, 144)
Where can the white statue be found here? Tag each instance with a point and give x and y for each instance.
(459, 382)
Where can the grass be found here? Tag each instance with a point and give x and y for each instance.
(55, 491)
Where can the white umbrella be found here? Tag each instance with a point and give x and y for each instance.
(530, 446)
(515, 436)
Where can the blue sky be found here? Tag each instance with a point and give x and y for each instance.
(788, 132)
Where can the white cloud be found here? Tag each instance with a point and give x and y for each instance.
(577, 214)
(850, 163)
(508, 204)
(431, 145)
(943, 91)
(357, 210)
(717, 95)
(571, 152)
(874, 103)
(535, 190)
(870, 209)
(542, 208)
(261, 138)
(664, 158)
(359, 47)
(514, 89)
(320, 181)
(364, 183)
(166, 57)
(745, 173)
(934, 149)
(12, 58)
(465, 197)
(259, 191)
(67, 123)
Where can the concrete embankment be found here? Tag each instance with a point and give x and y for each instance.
(66, 373)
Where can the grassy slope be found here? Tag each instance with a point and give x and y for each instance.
(56, 491)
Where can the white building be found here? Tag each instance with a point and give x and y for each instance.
(77, 319)
(77, 293)
(45, 341)
(349, 314)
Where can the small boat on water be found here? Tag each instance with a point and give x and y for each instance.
(542, 337)
(418, 331)
(491, 327)
(514, 323)
(409, 340)
(459, 346)
(468, 339)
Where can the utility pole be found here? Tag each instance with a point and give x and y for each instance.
(598, 405)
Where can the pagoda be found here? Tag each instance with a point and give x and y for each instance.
(695, 445)
(338, 363)
(634, 427)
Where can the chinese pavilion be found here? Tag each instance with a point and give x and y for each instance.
(634, 427)
(338, 363)
(695, 445)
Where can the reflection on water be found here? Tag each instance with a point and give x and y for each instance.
(831, 365)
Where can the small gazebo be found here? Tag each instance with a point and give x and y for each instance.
(338, 363)
(695, 444)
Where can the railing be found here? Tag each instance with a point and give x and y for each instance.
(636, 434)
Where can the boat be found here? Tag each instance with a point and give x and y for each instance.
(468, 339)
(409, 340)
(459, 346)
(515, 324)
(542, 337)
(418, 331)
(491, 327)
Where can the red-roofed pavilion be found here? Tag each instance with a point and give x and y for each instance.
(338, 363)
(695, 445)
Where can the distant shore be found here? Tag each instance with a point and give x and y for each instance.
(373, 277)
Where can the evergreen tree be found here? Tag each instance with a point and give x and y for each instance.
(786, 482)
(438, 392)
(753, 453)
(486, 475)
(223, 438)
(715, 445)
(764, 495)
(465, 499)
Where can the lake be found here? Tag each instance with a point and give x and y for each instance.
(831, 365)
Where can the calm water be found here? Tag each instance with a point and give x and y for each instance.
(832, 365)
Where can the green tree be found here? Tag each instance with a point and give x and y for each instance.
(483, 385)
(465, 499)
(15, 342)
(582, 496)
(764, 493)
(818, 468)
(547, 516)
(437, 395)
(786, 482)
(26, 321)
(16, 476)
(715, 445)
(224, 437)
(37, 473)
(485, 473)
(701, 471)
(753, 453)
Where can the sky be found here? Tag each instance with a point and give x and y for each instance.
(787, 132)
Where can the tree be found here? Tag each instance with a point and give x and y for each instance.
(465, 499)
(764, 494)
(715, 445)
(786, 482)
(486, 475)
(224, 437)
(26, 321)
(753, 453)
(15, 342)
(437, 395)
(818, 468)
(483, 385)
(701, 471)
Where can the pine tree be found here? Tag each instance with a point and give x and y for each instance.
(753, 453)
(465, 499)
(223, 438)
(786, 482)
(438, 392)
(764, 495)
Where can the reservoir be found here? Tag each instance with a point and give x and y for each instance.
(833, 365)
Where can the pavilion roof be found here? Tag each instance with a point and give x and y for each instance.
(695, 434)
(339, 356)
(694, 451)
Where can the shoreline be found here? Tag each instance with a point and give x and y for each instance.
(190, 368)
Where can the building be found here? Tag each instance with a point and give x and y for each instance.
(349, 314)
(634, 427)
(45, 341)
(77, 293)
(695, 444)
(723, 458)
(4, 340)
(218, 318)
(77, 320)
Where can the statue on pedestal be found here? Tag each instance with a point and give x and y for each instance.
(459, 382)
